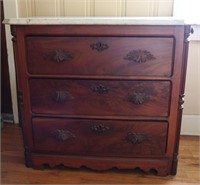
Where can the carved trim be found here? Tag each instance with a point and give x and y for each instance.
(62, 135)
(20, 108)
(181, 102)
(61, 96)
(60, 55)
(161, 166)
(13, 30)
(13, 33)
(99, 46)
(136, 138)
(100, 128)
(139, 56)
(188, 30)
(137, 98)
(20, 97)
(100, 89)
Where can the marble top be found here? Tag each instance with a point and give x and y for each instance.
(94, 21)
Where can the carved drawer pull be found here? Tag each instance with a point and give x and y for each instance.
(136, 138)
(61, 96)
(60, 55)
(99, 46)
(139, 56)
(100, 89)
(62, 135)
(100, 128)
(138, 98)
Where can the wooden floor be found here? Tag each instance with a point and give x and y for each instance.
(13, 170)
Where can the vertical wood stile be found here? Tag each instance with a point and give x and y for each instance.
(165, 8)
(155, 7)
(58, 8)
(92, 7)
(46, 8)
(88, 9)
(76, 8)
(107, 8)
(123, 8)
(31, 10)
(120, 8)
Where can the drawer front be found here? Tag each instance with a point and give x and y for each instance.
(100, 97)
(138, 56)
(99, 138)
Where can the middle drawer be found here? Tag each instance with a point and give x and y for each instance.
(100, 97)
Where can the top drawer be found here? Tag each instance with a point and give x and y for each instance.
(118, 56)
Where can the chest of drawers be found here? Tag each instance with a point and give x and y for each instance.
(101, 96)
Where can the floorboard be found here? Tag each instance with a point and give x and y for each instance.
(13, 170)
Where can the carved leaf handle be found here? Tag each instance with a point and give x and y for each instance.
(136, 138)
(139, 56)
(60, 55)
(100, 128)
(61, 96)
(62, 135)
(138, 98)
(99, 46)
(100, 89)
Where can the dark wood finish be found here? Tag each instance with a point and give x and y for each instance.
(118, 59)
(119, 87)
(80, 98)
(78, 137)
(6, 102)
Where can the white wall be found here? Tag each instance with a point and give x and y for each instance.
(95, 7)
(10, 10)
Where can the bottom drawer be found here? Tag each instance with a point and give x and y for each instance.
(100, 137)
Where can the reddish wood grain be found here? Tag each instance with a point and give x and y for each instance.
(60, 77)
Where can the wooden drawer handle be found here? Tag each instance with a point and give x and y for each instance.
(139, 56)
(136, 138)
(100, 128)
(138, 98)
(100, 89)
(60, 55)
(99, 46)
(61, 96)
(62, 135)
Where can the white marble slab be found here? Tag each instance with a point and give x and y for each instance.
(94, 21)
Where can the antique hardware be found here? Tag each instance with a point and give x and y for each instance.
(61, 96)
(99, 46)
(139, 56)
(137, 98)
(60, 55)
(62, 135)
(100, 128)
(136, 138)
(100, 89)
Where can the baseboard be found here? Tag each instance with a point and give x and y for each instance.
(190, 125)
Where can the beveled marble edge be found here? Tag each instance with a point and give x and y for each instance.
(94, 21)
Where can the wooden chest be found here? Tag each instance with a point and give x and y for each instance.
(101, 96)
